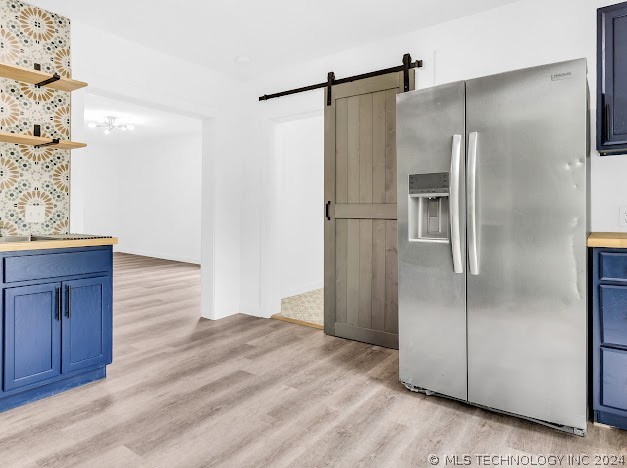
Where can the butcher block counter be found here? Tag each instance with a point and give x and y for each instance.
(17, 243)
(611, 240)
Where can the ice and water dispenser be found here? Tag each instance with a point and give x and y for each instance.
(428, 216)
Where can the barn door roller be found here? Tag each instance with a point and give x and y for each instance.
(405, 67)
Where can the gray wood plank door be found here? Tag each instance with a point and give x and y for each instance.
(360, 259)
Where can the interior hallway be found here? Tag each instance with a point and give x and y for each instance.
(245, 391)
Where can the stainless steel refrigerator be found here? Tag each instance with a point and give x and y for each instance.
(492, 227)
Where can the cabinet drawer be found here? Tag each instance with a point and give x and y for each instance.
(34, 267)
(613, 311)
(614, 378)
(613, 266)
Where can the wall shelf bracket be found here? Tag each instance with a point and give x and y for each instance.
(37, 133)
(52, 79)
(55, 141)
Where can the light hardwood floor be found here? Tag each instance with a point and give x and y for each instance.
(244, 391)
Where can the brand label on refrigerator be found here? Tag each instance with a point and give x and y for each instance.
(561, 76)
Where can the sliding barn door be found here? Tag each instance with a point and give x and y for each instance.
(360, 260)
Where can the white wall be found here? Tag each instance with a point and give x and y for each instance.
(121, 69)
(300, 153)
(523, 34)
(239, 239)
(147, 194)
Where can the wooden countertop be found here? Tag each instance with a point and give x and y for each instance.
(56, 244)
(616, 240)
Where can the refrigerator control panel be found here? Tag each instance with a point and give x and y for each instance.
(433, 183)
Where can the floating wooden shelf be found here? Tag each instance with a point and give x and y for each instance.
(27, 75)
(30, 140)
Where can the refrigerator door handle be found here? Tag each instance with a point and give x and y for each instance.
(456, 244)
(471, 196)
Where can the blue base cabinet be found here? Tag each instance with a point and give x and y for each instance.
(609, 329)
(57, 321)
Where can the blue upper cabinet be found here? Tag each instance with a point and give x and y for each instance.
(32, 344)
(86, 323)
(612, 80)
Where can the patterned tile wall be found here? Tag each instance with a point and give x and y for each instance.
(30, 176)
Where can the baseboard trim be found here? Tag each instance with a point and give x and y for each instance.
(143, 253)
(610, 419)
(296, 321)
(37, 393)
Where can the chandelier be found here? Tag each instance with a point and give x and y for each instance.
(110, 124)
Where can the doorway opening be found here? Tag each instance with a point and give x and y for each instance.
(299, 158)
(360, 228)
(139, 179)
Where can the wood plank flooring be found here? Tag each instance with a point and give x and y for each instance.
(244, 391)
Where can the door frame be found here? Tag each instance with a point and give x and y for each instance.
(213, 295)
(270, 249)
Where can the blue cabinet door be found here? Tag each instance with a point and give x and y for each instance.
(612, 80)
(613, 315)
(614, 378)
(32, 337)
(86, 338)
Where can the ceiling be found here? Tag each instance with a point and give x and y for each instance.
(149, 123)
(271, 33)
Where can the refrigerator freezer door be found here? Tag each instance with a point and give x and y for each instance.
(527, 302)
(432, 238)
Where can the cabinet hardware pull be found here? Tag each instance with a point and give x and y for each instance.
(68, 292)
(608, 122)
(326, 211)
(58, 311)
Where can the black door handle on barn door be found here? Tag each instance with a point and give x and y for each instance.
(327, 207)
